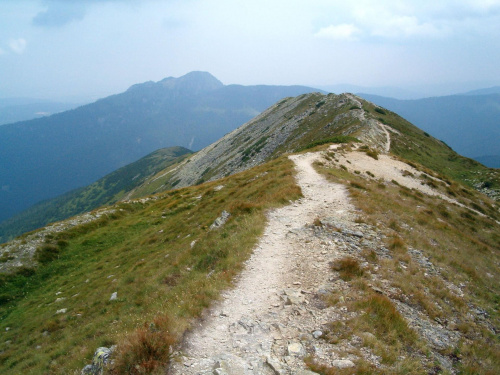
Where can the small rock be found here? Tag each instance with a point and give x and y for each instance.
(99, 362)
(114, 296)
(296, 350)
(343, 363)
(7, 328)
(221, 220)
(317, 334)
(193, 243)
(61, 311)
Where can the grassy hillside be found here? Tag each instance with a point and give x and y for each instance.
(105, 191)
(414, 144)
(468, 123)
(159, 256)
(296, 123)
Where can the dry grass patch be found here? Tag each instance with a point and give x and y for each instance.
(348, 268)
(147, 351)
(458, 263)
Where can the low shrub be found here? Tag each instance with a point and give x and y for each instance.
(372, 153)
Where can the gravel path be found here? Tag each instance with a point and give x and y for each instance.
(257, 327)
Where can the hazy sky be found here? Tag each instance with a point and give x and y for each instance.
(92, 48)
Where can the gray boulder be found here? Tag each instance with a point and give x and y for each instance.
(100, 360)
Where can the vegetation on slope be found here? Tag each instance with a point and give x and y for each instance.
(468, 123)
(439, 258)
(165, 264)
(105, 191)
(412, 143)
(312, 119)
(161, 258)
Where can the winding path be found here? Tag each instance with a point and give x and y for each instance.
(254, 329)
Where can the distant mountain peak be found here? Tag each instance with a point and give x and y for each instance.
(193, 83)
(196, 81)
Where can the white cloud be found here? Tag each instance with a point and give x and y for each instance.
(396, 26)
(17, 45)
(343, 31)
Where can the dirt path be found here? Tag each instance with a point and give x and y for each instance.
(259, 325)
(388, 138)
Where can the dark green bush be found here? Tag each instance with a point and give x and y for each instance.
(47, 253)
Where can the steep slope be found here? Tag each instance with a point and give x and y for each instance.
(392, 270)
(107, 190)
(295, 123)
(47, 157)
(468, 123)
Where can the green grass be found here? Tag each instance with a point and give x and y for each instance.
(145, 254)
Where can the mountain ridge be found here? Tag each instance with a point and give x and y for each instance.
(50, 156)
(400, 280)
(468, 123)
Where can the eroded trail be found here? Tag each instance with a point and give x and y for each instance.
(259, 327)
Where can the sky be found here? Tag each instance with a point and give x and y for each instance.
(86, 49)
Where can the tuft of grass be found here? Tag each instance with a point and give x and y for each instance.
(358, 185)
(372, 153)
(382, 316)
(317, 222)
(396, 243)
(47, 253)
(147, 350)
(348, 268)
